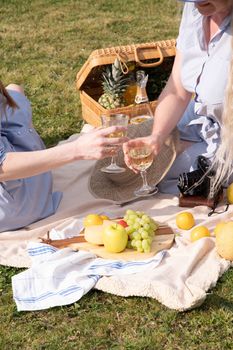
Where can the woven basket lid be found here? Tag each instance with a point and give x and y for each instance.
(136, 52)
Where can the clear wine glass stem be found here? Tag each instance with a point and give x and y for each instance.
(144, 179)
(113, 161)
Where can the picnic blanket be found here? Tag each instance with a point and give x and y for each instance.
(182, 278)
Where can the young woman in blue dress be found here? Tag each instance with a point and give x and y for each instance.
(26, 193)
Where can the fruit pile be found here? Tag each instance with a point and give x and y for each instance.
(119, 88)
(223, 232)
(136, 231)
(141, 229)
(186, 221)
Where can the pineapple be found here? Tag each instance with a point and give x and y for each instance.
(114, 85)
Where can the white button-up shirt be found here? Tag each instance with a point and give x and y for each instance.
(205, 67)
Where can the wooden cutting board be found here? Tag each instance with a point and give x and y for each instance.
(163, 239)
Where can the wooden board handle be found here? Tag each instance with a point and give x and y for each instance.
(62, 243)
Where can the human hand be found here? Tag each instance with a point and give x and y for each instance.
(154, 141)
(97, 144)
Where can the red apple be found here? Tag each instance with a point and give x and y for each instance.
(122, 223)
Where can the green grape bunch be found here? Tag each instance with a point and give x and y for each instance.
(141, 230)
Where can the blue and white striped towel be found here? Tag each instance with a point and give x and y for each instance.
(61, 277)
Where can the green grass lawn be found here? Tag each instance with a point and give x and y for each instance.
(43, 44)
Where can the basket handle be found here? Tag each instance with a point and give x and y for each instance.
(124, 67)
(154, 64)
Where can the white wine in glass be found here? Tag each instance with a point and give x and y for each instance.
(113, 120)
(141, 158)
(140, 119)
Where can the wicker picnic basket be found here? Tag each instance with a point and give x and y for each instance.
(156, 58)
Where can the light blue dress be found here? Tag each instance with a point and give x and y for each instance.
(23, 201)
(204, 72)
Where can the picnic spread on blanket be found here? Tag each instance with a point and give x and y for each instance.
(178, 276)
(163, 246)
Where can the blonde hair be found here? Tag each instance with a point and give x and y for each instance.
(223, 159)
(8, 99)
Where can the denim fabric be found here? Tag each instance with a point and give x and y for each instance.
(204, 132)
(23, 201)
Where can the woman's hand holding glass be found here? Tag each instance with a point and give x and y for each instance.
(96, 144)
(117, 120)
(141, 158)
(153, 141)
(139, 154)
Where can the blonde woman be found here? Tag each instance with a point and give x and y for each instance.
(194, 96)
(26, 193)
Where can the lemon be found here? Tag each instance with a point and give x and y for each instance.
(185, 220)
(92, 219)
(199, 232)
(218, 228)
(230, 193)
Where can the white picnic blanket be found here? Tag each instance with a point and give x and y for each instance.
(182, 279)
(179, 277)
(180, 282)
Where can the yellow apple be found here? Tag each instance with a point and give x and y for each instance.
(115, 238)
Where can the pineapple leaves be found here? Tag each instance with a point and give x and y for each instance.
(114, 85)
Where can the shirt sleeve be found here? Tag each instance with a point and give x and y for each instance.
(5, 117)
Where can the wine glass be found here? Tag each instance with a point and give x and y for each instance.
(110, 120)
(141, 158)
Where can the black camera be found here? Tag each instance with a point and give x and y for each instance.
(197, 182)
(196, 186)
